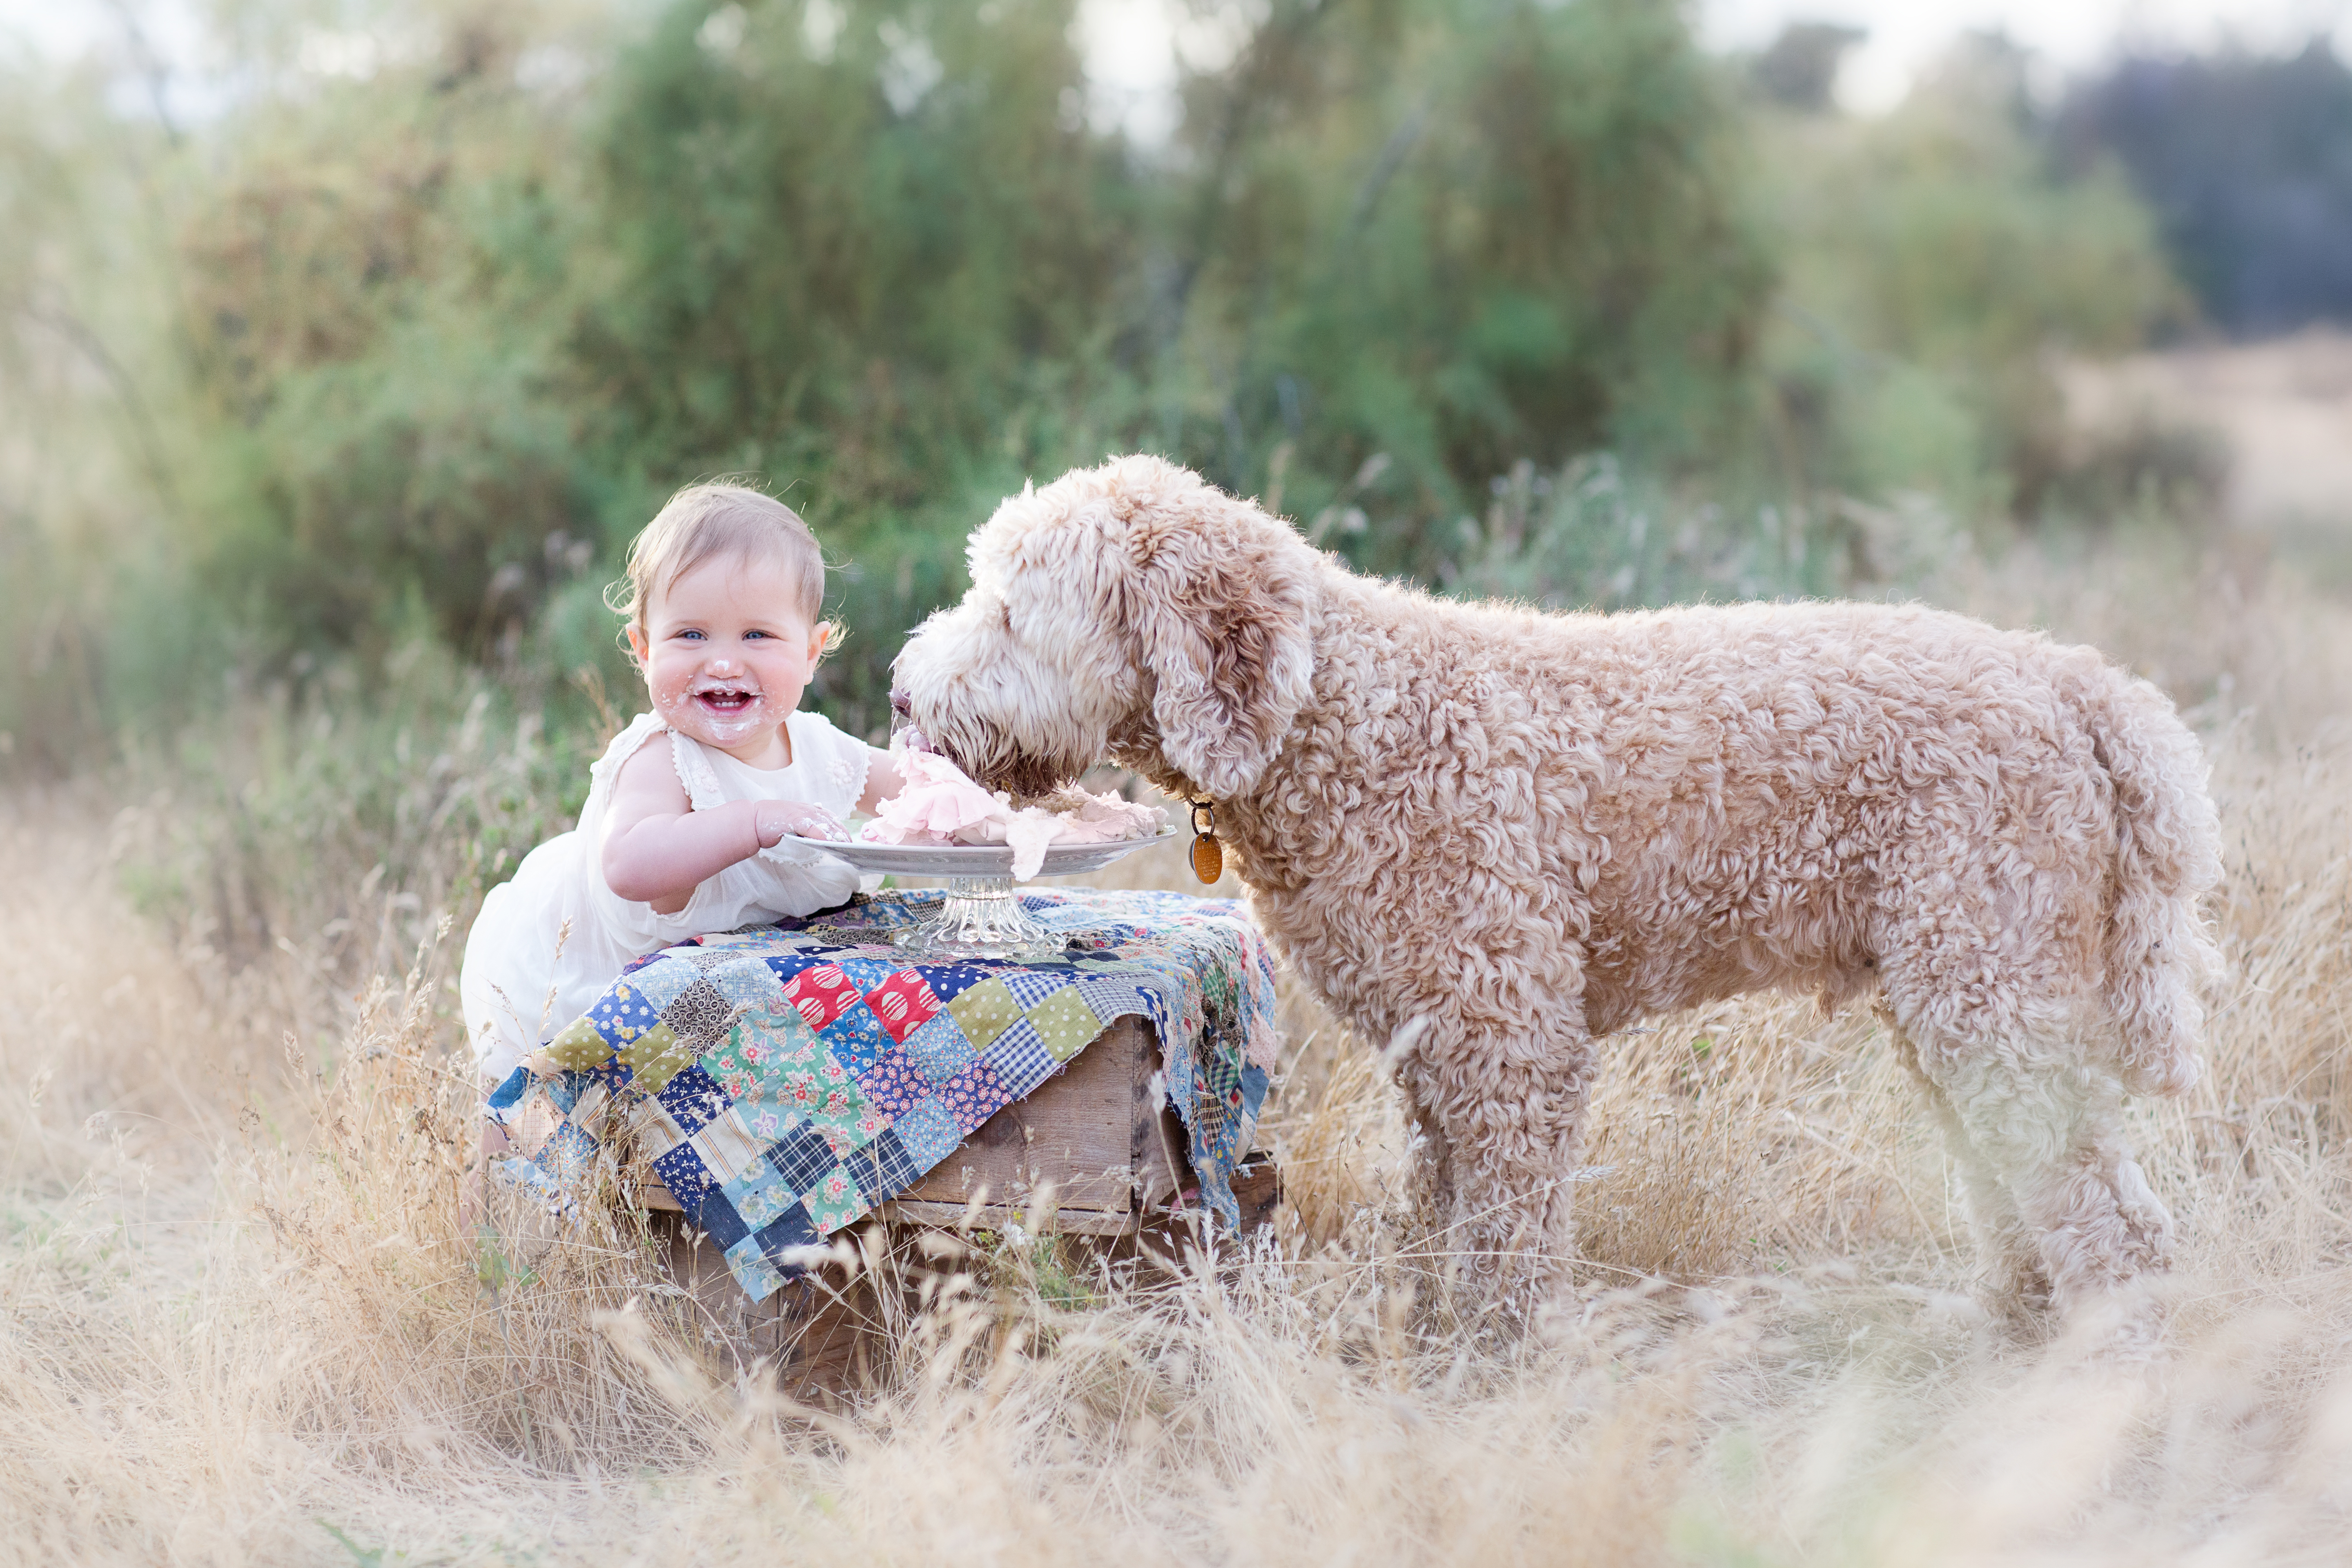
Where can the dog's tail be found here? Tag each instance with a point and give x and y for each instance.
(2159, 957)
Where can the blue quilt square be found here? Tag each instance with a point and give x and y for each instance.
(1111, 998)
(1019, 1058)
(758, 1278)
(893, 1082)
(1030, 986)
(624, 1012)
(659, 984)
(566, 1152)
(715, 1214)
(692, 1098)
(856, 1038)
(562, 1089)
(883, 1169)
(949, 981)
(927, 1133)
(745, 981)
(1253, 1090)
(682, 1171)
(801, 1157)
(939, 1048)
(760, 1195)
(868, 973)
(785, 965)
(1182, 1083)
(794, 1227)
(509, 1092)
(972, 1096)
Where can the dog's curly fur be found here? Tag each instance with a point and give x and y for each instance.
(1499, 834)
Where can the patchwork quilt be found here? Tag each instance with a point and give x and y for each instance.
(784, 1079)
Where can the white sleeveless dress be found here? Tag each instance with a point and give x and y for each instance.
(513, 958)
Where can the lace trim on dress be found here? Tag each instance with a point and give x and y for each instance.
(852, 760)
(694, 772)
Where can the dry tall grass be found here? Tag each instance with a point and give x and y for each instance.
(241, 1323)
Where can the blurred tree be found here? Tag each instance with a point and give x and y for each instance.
(848, 239)
(1799, 69)
(86, 485)
(414, 331)
(2247, 161)
(870, 249)
(374, 290)
(873, 248)
(1938, 265)
(1426, 240)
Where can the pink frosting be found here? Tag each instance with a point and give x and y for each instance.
(939, 805)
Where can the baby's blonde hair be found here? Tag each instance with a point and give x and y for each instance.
(713, 519)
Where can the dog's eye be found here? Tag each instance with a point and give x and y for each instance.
(1004, 615)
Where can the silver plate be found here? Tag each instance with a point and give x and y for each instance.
(979, 859)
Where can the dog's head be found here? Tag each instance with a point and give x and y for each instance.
(1129, 602)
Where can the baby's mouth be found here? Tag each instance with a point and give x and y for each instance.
(726, 701)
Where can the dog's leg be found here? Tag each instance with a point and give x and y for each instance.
(1511, 1113)
(2099, 1224)
(1992, 978)
(2009, 1261)
(2053, 1132)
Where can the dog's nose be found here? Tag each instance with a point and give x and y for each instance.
(901, 706)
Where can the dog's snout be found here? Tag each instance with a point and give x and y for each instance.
(901, 705)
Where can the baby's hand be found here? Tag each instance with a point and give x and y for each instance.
(776, 818)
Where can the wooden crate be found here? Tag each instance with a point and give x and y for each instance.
(1099, 1136)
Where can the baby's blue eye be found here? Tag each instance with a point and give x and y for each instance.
(754, 634)
(695, 635)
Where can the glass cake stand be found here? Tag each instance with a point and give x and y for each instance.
(983, 915)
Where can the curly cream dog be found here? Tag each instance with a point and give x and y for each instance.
(1499, 834)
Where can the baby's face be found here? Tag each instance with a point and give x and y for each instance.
(726, 655)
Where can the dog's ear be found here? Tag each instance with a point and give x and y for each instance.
(1221, 609)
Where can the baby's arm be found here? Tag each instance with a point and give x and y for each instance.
(657, 848)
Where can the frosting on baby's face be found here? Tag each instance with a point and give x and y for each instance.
(727, 654)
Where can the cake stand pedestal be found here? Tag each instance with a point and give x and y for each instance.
(983, 915)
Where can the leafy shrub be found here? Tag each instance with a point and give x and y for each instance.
(361, 360)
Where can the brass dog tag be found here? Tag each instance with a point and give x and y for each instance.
(1208, 854)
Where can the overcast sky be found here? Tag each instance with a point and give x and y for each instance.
(1129, 44)
(2070, 34)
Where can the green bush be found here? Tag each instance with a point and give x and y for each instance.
(1938, 267)
(357, 363)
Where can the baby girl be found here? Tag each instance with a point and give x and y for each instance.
(688, 809)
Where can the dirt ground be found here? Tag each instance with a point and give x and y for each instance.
(2284, 407)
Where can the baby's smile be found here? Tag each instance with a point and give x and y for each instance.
(726, 699)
